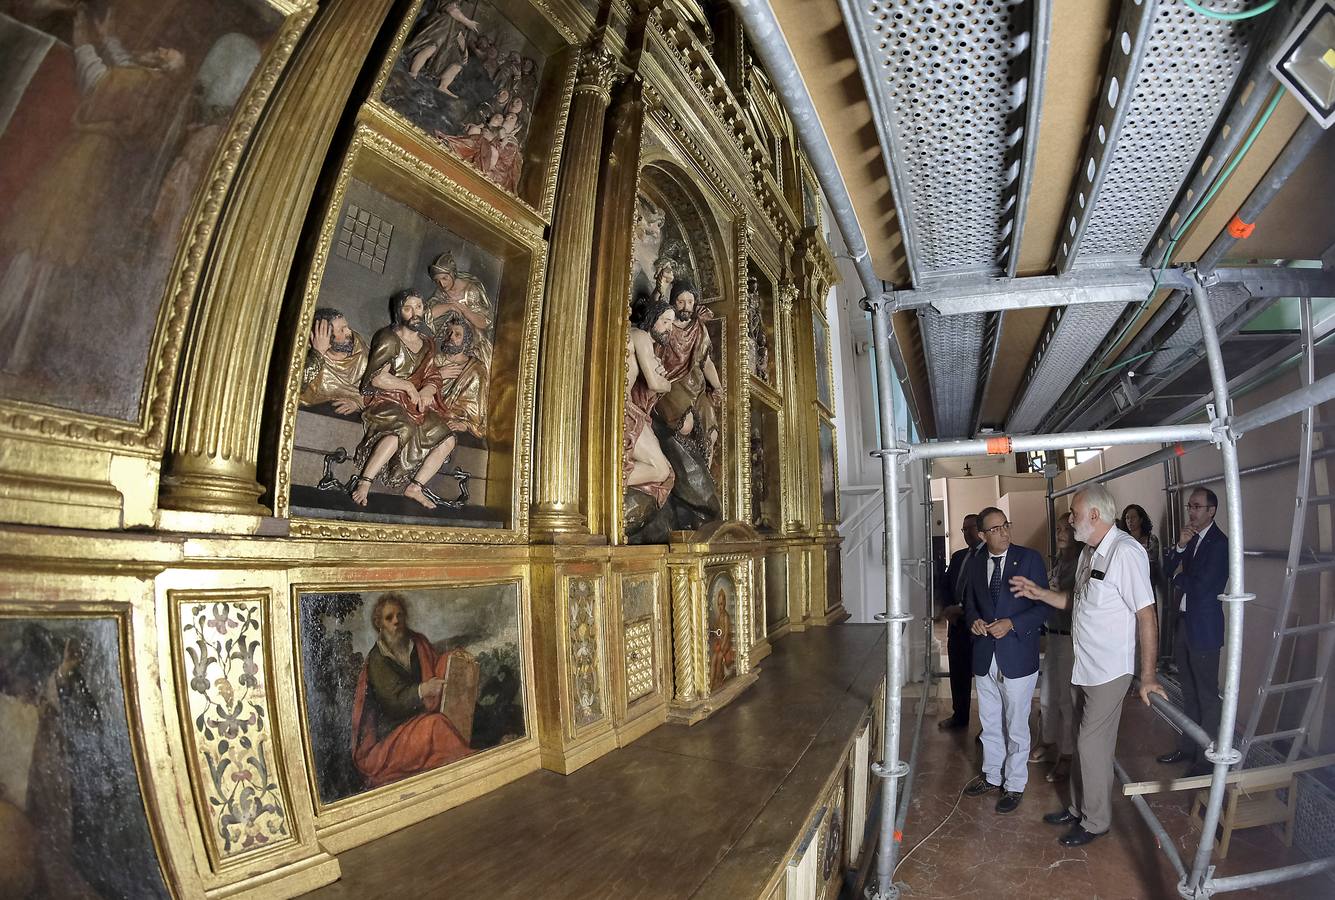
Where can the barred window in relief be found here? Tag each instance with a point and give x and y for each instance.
(363, 238)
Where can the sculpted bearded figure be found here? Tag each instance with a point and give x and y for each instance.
(460, 294)
(690, 407)
(335, 363)
(412, 416)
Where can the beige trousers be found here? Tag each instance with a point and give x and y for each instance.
(1098, 709)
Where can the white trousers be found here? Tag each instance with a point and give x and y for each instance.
(1003, 708)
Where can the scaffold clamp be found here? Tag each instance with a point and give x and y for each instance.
(888, 451)
(1230, 757)
(898, 770)
(1236, 598)
(895, 617)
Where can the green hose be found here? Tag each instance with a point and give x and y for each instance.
(1232, 17)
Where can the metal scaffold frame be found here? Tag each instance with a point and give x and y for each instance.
(1223, 430)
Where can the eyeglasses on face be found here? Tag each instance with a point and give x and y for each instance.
(1195, 506)
(997, 529)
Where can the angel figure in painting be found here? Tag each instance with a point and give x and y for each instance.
(411, 418)
(335, 363)
(442, 44)
(410, 710)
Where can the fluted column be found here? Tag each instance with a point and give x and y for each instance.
(794, 485)
(557, 507)
(213, 446)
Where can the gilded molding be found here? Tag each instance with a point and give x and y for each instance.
(583, 652)
(743, 405)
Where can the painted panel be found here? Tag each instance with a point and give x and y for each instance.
(71, 811)
(720, 617)
(586, 695)
(109, 126)
(401, 682)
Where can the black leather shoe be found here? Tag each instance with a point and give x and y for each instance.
(1009, 802)
(1172, 758)
(980, 786)
(1063, 817)
(1078, 837)
(951, 724)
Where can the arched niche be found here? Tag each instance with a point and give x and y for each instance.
(674, 460)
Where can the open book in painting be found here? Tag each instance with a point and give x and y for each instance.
(459, 698)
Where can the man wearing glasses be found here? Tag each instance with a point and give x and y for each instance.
(1198, 565)
(1006, 627)
(959, 648)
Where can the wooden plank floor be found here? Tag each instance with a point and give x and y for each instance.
(708, 811)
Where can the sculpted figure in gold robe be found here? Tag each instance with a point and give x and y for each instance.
(459, 294)
(335, 363)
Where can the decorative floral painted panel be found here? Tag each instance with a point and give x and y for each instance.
(585, 690)
(223, 647)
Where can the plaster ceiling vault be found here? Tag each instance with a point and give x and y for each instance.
(987, 140)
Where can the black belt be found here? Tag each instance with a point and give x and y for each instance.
(1056, 631)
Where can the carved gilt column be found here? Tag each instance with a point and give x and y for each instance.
(213, 445)
(607, 314)
(557, 509)
(793, 489)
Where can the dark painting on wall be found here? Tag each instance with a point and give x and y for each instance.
(469, 78)
(72, 818)
(403, 682)
(829, 504)
(402, 299)
(674, 402)
(821, 338)
(111, 112)
(766, 496)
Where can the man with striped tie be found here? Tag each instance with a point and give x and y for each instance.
(1006, 630)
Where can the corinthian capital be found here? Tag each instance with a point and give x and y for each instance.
(598, 70)
(787, 295)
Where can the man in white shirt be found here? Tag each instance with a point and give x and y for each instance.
(1113, 599)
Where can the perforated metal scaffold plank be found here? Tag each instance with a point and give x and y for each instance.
(1071, 339)
(951, 345)
(1179, 67)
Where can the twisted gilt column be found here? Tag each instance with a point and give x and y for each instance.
(557, 495)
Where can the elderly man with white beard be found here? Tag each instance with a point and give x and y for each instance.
(1113, 599)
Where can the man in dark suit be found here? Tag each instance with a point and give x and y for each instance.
(1006, 628)
(959, 645)
(1198, 566)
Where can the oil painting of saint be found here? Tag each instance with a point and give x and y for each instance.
(399, 683)
(722, 641)
(675, 397)
(393, 419)
(469, 78)
(71, 813)
(111, 114)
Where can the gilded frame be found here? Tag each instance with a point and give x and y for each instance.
(825, 364)
(125, 454)
(571, 732)
(772, 392)
(741, 568)
(127, 600)
(375, 159)
(353, 820)
(559, 39)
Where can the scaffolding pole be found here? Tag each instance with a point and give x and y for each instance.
(890, 769)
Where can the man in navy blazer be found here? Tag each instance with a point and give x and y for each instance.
(1198, 566)
(1006, 629)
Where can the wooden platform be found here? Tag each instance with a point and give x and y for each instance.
(710, 811)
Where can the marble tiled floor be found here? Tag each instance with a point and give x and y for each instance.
(981, 854)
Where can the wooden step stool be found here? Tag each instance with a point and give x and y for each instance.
(1251, 805)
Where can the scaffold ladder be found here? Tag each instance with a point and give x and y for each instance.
(1279, 692)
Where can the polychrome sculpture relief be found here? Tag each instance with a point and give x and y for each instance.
(469, 78)
(760, 329)
(672, 461)
(111, 116)
(397, 683)
(393, 422)
(71, 813)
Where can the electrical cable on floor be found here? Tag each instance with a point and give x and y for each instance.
(1232, 16)
(931, 834)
